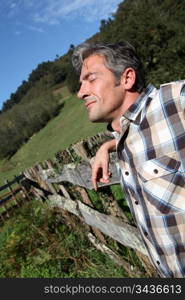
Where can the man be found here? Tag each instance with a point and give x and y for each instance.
(149, 131)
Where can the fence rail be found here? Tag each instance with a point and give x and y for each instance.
(10, 183)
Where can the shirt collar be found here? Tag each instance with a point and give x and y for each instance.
(134, 110)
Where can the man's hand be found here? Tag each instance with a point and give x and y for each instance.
(100, 163)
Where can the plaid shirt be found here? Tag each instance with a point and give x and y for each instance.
(151, 153)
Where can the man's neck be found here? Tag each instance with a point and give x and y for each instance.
(130, 99)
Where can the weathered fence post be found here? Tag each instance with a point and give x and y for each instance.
(11, 191)
(22, 187)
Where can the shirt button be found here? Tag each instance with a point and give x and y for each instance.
(127, 173)
(145, 233)
(156, 171)
(158, 262)
(136, 202)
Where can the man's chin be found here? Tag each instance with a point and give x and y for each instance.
(97, 120)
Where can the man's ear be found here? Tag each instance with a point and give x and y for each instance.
(128, 78)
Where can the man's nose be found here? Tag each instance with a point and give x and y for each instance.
(83, 92)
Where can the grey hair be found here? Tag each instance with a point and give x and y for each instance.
(118, 57)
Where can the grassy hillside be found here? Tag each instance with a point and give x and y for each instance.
(70, 126)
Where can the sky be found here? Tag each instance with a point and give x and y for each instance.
(34, 31)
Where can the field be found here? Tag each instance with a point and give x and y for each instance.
(70, 126)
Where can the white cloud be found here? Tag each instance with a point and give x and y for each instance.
(17, 32)
(35, 28)
(90, 10)
(53, 11)
(12, 5)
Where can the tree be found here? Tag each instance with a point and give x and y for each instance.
(72, 79)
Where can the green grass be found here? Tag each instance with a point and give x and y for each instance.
(70, 126)
(34, 243)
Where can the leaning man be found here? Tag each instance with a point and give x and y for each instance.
(148, 125)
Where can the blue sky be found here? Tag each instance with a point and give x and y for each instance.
(33, 31)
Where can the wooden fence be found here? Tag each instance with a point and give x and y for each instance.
(65, 184)
(11, 195)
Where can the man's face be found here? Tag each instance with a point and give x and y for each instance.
(103, 97)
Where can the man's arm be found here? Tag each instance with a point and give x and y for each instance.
(100, 163)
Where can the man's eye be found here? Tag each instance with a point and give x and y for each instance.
(92, 79)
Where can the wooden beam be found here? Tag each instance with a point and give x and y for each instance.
(123, 233)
